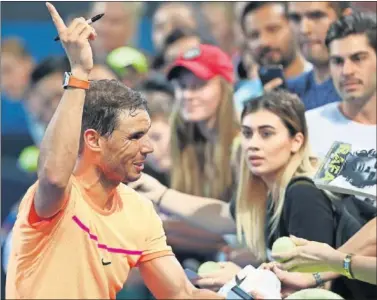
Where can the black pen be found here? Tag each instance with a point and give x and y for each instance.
(89, 21)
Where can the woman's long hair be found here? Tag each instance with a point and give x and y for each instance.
(202, 167)
(252, 194)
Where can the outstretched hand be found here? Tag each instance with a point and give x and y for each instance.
(74, 39)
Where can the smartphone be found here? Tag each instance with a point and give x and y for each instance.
(268, 73)
(191, 275)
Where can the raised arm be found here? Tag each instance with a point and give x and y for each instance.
(60, 145)
(210, 214)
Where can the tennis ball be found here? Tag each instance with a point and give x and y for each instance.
(208, 267)
(283, 244)
(28, 159)
(314, 294)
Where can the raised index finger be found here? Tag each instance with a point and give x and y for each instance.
(58, 21)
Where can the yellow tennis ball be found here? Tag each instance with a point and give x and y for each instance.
(208, 267)
(314, 294)
(283, 244)
(28, 159)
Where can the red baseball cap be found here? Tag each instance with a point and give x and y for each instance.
(206, 62)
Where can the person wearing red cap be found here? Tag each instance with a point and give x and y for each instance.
(203, 124)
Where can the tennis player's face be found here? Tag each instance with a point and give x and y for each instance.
(124, 152)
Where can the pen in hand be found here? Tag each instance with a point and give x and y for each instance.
(89, 21)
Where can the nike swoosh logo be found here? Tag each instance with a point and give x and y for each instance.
(238, 280)
(105, 263)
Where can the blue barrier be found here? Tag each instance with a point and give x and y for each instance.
(39, 37)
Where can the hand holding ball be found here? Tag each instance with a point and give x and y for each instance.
(299, 255)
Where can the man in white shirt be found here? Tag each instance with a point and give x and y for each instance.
(352, 47)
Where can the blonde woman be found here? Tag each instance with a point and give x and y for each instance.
(276, 151)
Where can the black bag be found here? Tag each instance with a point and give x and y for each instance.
(350, 215)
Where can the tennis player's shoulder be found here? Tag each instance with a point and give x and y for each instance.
(128, 194)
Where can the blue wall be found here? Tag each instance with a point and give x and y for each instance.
(39, 36)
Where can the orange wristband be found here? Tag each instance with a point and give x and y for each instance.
(71, 81)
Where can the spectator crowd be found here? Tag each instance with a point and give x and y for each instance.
(245, 100)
